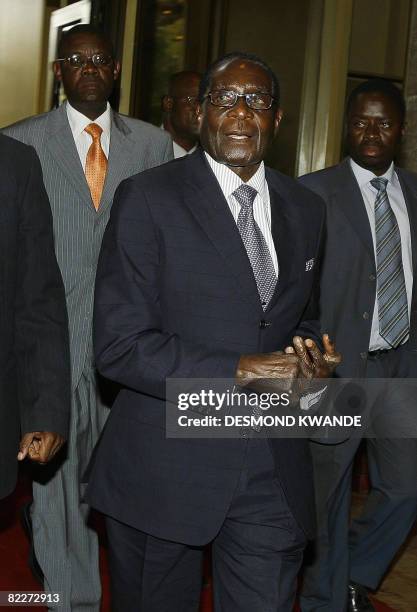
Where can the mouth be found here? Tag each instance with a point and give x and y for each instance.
(239, 136)
(371, 149)
(371, 145)
(90, 83)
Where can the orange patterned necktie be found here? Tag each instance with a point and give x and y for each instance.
(96, 164)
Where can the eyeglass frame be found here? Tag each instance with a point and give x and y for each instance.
(245, 95)
(87, 58)
(189, 99)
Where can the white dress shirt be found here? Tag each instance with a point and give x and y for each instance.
(78, 122)
(399, 208)
(179, 151)
(229, 181)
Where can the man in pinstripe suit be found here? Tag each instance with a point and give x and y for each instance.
(81, 172)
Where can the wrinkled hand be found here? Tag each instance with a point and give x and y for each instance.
(314, 363)
(40, 446)
(268, 371)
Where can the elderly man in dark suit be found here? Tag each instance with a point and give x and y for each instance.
(34, 357)
(85, 149)
(369, 308)
(207, 270)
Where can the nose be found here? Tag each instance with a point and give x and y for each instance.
(241, 109)
(372, 130)
(89, 67)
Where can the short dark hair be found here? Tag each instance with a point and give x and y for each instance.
(238, 55)
(83, 28)
(179, 76)
(381, 86)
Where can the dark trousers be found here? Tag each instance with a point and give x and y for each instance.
(363, 552)
(256, 555)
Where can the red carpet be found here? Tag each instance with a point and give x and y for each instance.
(15, 574)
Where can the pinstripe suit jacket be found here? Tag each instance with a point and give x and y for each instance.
(78, 228)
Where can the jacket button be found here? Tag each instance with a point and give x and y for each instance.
(365, 315)
(364, 355)
(263, 324)
(372, 277)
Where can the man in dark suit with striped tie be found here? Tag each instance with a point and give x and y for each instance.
(369, 307)
(207, 270)
(85, 149)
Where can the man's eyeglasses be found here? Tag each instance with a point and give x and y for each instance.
(79, 60)
(256, 101)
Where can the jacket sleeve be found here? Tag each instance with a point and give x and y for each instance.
(41, 327)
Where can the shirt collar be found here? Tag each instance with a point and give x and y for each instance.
(78, 122)
(179, 151)
(364, 176)
(229, 181)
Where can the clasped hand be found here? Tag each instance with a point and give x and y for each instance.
(280, 370)
(40, 446)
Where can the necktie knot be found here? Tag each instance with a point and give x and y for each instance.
(94, 130)
(379, 183)
(245, 195)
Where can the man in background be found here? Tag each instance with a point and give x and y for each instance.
(369, 308)
(34, 356)
(178, 106)
(85, 149)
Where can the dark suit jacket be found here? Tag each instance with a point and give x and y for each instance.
(34, 356)
(348, 272)
(176, 297)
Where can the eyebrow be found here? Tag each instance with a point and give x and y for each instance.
(247, 85)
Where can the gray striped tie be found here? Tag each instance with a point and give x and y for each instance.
(255, 244)
(391, 291)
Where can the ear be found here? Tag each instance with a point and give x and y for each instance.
(199, 112)
(277, 120)
(167, 104)
(116, 70)
(56, 67)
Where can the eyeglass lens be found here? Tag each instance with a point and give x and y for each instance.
(77, 60)
(257, 101)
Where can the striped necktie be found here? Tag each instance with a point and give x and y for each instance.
(255, 244)
(391, 291)
(95, 164)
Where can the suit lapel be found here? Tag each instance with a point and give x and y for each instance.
(61, 145)
(284, 223)
(121, 160)
(208, 205)
(410, 197)
(348, 198)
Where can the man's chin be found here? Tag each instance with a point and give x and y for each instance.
(371, 162)
(239, 161)
(91, 97)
